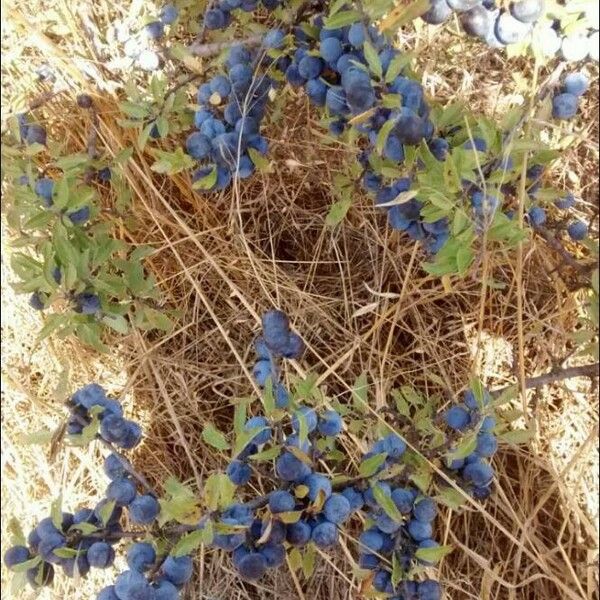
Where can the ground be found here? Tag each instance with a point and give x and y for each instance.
(355, 293)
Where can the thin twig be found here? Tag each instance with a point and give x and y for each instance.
(590, 370)
(215, 47)
(568, 258)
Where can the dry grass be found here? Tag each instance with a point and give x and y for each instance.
(359, 299)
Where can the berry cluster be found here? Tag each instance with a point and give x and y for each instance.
(576, 229)
(219, 17)
(148, 576)
(168, 15)
(91, 401)
(86, 539)
(76, 542)
(474, 469)
(399, 524)
(499, 27)
(565, 103)
(277, 341)
(352, 71)
(232, 107)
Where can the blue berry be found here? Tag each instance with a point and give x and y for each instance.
(252, 566)
(281, 501)
(274, 39)
(80, 216)
(457, 418)
(576, 84)
(309, 416)
(44, 188)
(36, 134)
(371, 540)
(239, 472)
(290, 468)
(479, 473)
(144, 509)
(330, 423)
(36, 301)
(317, 483)
(215, 18)
(122, 491)
(177, 569)
(486, 444)
(527, 11)
(425, 510)
(336, 508)
(15, 556)
(169, 14)
(131, 585)
(564, 106)
(274, 555)
(100, 555)
(262, 437)
(141, 556)
(298, 534)
(325, 535)
(537, 216)
(155, 30)
(577, 230)
(419, 530)
(403, 499)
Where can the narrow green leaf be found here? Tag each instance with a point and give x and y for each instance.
(451, 498)
(385, 501)
(342, 19)
(211, 435)
(372, 58)
(337, 212)
(517, 437)
(433, 555)
(370, 466)
(56, 512)
(105, 513)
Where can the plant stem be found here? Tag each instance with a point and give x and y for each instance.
(590, 370)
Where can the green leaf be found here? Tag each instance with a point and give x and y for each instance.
(239, 416)
(407, 14)
(370, 466)
(268, 454)
(85, 528)
(360, 391)
(66, 552)
(386, 503)
(60, 194)
(116, 322)
(433, 555)
(506, 396)
(17, 537)
(56, 512)
(207, 182)
(451, 498)
(28, 564)
(189, 542)
(42, 437)
(212, 492)
(106, 511)
(211, 435)
(267, 398)
(169, 163)
(337, 212)
(294, 559)
(308, 561)
(342, 19)
(517, 436)
(260, 162)
(134, 110)
(372, 58)
(465, 448)
(397, 66)
(383, 135)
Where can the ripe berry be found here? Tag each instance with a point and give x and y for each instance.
(144, 509)
(577, 230)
